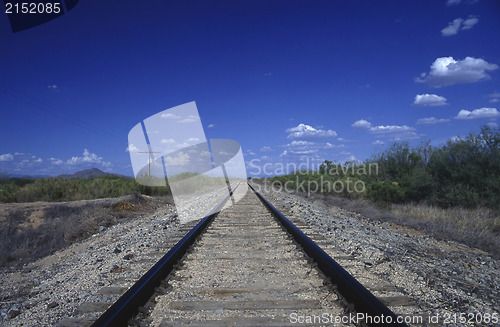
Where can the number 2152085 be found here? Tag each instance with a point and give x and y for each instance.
(33, 8)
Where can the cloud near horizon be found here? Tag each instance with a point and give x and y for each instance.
(432, 121)
(88, 158)
(482, 113)
(303, 131)
(395, 132)
(381, 129)
(6, 157)
(448, 71)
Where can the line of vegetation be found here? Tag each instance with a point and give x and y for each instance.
(464, 172)
(451, 191)
(63, 189)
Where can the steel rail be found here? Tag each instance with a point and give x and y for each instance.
(354, 292)
(127, 306)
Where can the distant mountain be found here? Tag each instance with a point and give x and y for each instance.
(87, 173)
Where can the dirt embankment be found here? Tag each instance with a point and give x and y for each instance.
(29, 231)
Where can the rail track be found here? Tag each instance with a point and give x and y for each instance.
(247, 265)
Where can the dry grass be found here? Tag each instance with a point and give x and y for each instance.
(475, 227)
(478, 228)
(22, 241)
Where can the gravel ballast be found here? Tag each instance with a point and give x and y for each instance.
(444, 278)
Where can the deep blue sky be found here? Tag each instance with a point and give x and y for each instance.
(289, 80)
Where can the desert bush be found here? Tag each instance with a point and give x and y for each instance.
(464, 172)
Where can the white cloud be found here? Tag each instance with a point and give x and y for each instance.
(431, 121)
(351, 158)
(211, 126)
(298, 152)
(300, 143)
(307, 131)
(311, 151)
(56, 161)
(362, 124)
(52, 86)
(169, 116)
(481, 113)
(429, 100)
(457, 2)
(301, 148)
(193, 140)
(6, 157)
(459, 24)
(183, 145)
(452, 27)
(470, 22)
(266, 149)
(167, 141)
(378, 142)
(396, 132)
(180, 159)
(88, 158)
(492, 125)
(389, 129)
(333, 146)
(381, 129)
(341, 139)
(190, 119)
(131, 148)
(448, 71)
(495, 97)
(405, 136)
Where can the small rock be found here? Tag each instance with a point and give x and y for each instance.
(52, 305)
(116, 269)
(117, 250)
(368, 262)
(13, 312)
(128, 256)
